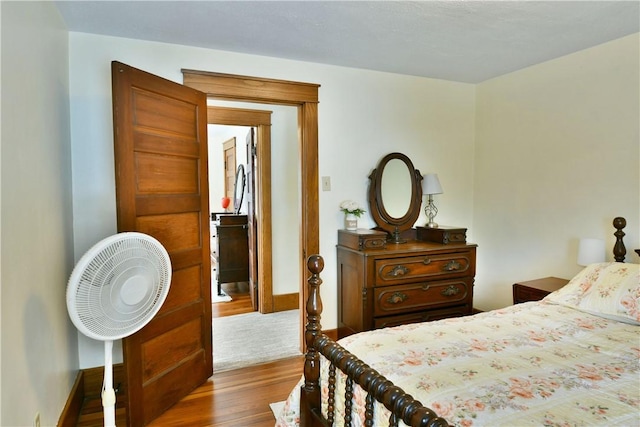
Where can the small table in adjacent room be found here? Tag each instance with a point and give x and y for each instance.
(535, 290)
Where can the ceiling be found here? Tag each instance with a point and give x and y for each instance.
(465, 41)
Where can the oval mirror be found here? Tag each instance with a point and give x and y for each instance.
(395, 195)
(238, 189)
(396, 188)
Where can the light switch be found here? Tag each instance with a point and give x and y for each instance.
(326, 183)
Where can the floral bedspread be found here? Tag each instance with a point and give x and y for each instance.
(532, 364)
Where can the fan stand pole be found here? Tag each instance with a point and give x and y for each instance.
(108, 393)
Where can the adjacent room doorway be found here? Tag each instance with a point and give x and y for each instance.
(281, 123)
(304, 96)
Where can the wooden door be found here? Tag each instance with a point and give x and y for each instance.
(251, 218)
(160, 142)
(230, 165)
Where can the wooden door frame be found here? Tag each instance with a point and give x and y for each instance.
(280, 92)
(261, 120)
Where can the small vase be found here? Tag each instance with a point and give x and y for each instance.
(351, 222)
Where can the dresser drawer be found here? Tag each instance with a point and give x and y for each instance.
(424, 316)
(424, 267)
(419, 296)
(362, 239)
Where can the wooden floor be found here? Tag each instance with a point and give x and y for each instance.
(235, 398)
(240, 304)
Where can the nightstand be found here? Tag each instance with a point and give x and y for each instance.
(535, 290)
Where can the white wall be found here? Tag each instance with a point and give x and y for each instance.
(363, 115)
(39, 343)
(557, 158)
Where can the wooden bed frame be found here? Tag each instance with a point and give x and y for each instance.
(378, 388)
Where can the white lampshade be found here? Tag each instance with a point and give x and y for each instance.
(431, 184)
(590, 251)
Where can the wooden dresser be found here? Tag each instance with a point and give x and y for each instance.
(384, 284)
(232, 250)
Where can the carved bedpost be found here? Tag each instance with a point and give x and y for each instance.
(619, 250)
(310, 391)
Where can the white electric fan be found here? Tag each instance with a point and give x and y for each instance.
(114, 290)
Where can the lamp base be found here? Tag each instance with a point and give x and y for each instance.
(432, 225)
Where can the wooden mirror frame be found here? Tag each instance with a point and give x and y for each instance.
(392, 225)
(239, 185)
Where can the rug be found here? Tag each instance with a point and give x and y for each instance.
(214, 291)
(254, 338)
(276, 408)
(220, 298)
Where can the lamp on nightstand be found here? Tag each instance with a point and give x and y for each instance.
(590, 251)
(430, 186)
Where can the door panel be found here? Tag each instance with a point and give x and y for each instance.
(177, 232)
(162, 174)
(162, 190)
(187, 281)
(180, 342)
(252, 230)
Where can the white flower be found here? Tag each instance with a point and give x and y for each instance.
(351, 207)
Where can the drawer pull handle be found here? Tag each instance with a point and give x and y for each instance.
(397, 298)
(450, 291)
(426, 261)
(452, 265)
(398, 270)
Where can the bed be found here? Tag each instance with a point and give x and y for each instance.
(571, 359)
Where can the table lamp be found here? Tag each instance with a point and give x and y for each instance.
(430, 186)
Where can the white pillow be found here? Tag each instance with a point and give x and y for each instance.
(610, 289)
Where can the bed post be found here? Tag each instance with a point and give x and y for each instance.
(310, 391)
(619, 251)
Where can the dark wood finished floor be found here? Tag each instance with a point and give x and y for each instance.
(232, 398)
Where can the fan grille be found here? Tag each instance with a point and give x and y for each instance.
(118, 286)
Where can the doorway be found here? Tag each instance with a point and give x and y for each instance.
(232, 213)
(304, 96)
(231, 246)
(226, 122)
(282, 126)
